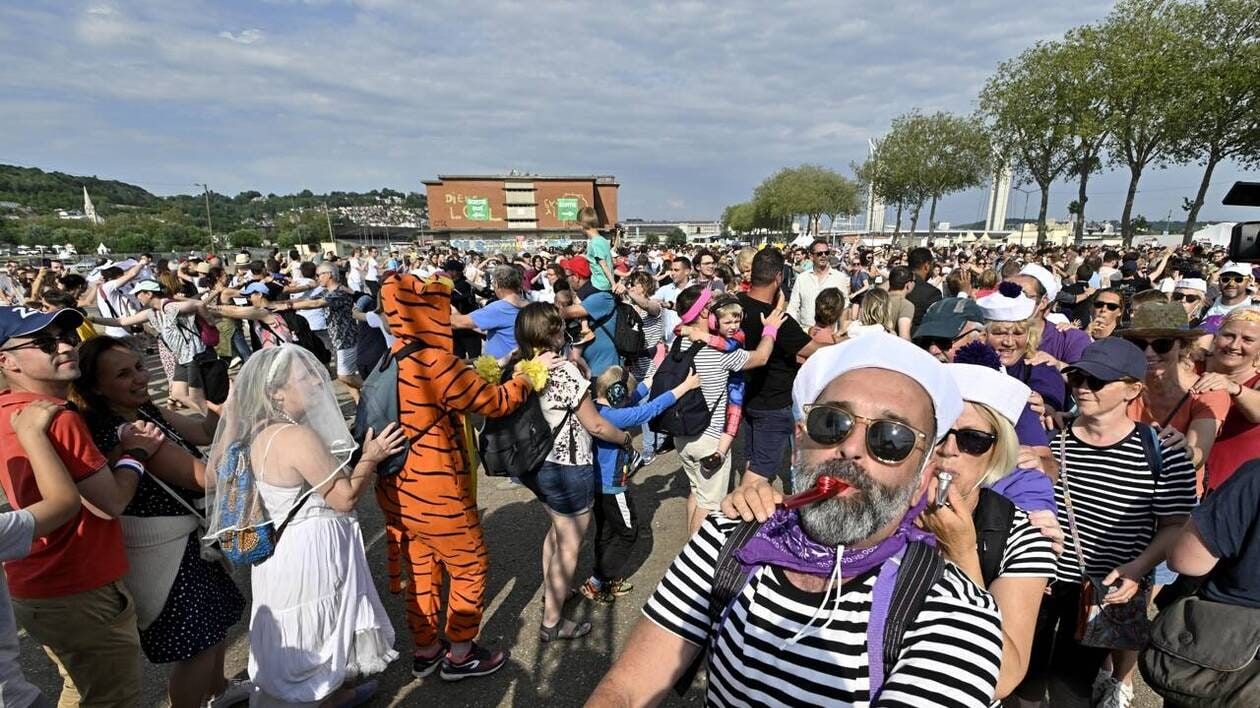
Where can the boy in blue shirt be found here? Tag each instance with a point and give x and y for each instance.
(598, 250)
(616, 525)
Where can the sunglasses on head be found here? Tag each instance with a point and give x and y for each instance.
(47, 343)
(970, 441)
(1111, 306)
(1185, 297)
(889, 441)
(1232, 278)
(1077, 379)
(1161, 346)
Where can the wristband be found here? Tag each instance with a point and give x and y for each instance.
(132, 464)
(770, 331)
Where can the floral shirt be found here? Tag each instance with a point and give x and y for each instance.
(341, 325)
(566, 387)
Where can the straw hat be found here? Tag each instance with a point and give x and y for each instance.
(1161, 319)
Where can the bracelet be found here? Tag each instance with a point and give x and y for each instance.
(770, 331)
(1238, 392)
(132, 464)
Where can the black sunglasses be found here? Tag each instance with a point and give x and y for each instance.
(1185, 297)
(889, 441)
(1079, 380)
(48, 343)
(1161, 346)
(970, 441)
(821, 253)
(1232, 278)
(1111, 306)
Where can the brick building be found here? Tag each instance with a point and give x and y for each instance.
(501, 207)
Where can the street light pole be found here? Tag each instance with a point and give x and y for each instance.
(1023, 221)
(209, 224)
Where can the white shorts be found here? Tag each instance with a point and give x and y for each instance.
(347, 362)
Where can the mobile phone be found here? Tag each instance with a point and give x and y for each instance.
(241, 301)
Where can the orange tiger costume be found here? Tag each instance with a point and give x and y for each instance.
(430, 509)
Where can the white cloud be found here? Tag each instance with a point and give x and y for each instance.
(249, 36)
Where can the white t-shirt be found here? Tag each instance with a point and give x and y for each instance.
(354, 276)
(373, 270)
(375, 320)
(114, 302)
(17, 531)
(566, 387)
(317, 318)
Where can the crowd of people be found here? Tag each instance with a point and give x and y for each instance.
(1050, 442)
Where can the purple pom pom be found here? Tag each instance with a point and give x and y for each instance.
(1010, 289)
(979, 353)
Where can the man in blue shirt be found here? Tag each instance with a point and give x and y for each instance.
(497, 319)
(600, 307)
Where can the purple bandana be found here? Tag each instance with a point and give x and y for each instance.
(781, 541)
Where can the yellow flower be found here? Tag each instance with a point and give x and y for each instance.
(487, 367)
(535, 371)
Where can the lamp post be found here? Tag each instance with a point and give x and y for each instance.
(1023, 222)
(214, 242)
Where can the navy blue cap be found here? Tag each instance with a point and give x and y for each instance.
(1111, 359)
(946, 318)
(24, 321)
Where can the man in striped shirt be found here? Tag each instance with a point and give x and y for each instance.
(796, 633)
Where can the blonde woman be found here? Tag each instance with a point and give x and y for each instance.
(1234, 367)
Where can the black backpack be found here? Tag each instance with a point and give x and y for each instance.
(921, 568)
(691, 414)
(518, 443)
(628, 337)
(378, 407)
(993, 518)
(302, 335)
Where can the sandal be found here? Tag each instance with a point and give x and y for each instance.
(576, 631)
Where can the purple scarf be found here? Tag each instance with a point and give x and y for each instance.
(781, 541)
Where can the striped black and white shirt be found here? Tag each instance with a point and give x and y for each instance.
(950, 654)
(1117, 501)
(1029, 553)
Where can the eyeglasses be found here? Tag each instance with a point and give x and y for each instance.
(970, 441)
(889, 441)
(1185, 297)
(1161, 346)
(48, 343)
(1110, 306)
(1232, 278)
(1079, 380)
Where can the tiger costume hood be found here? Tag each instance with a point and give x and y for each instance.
(418, 308)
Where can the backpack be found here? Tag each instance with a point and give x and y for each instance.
(993, 518)
(921, 567)
(691, 414)
(302, 335)
(209, 333)
(251, 536)
(378, 407)
(517, 444)
(628, 336)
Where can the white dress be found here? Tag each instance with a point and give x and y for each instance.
(317, 621)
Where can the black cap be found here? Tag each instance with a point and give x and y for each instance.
(1111, 359)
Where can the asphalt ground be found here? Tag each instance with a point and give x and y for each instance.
(558, 674)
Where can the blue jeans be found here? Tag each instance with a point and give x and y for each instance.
(769, 435)
(651, 441)
(240, 343)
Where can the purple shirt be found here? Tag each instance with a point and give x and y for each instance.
(1030, 490)
(1029, 429)
(1043, 379)
(1066, 346)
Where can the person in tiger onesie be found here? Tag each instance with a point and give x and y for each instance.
(431, 518)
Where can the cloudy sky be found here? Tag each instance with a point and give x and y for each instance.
(689, 104)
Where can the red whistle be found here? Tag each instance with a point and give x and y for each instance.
(826, 487)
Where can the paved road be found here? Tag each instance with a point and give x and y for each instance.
(559, 674)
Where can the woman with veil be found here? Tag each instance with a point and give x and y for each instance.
(283, 448)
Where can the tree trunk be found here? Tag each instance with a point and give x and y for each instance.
(932, 218)
(1079, 232)
(1126, 218)
(1041, 216)
(1193, 214)
(897, 228)
(914, 218)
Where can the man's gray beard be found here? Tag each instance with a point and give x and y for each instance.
(843, 521)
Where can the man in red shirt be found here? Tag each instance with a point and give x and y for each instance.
(67, 593)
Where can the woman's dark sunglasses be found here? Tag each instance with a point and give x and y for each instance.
(1161, 346)
(1079, 380)
(1111, 306)
(888, 441)
(47, 343)
(1185, 297)
(971, 442)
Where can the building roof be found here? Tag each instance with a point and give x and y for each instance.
(598, 179)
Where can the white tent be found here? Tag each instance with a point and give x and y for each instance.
(1214, 234)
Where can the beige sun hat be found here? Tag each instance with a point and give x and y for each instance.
(1160, 319)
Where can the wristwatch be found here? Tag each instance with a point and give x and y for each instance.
(139, 453)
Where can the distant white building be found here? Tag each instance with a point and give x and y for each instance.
(89, 209)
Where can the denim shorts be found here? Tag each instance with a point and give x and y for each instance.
(769, 435)
(567, 490)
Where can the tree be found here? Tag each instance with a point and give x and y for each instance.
(1086, 110)
(1218, 111)
(1023, 107)
(1141, 225)
(811, 191)
(675, 238)
(651, 240)
(1144, 70)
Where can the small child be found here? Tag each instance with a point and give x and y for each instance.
(616, 526)
(829, 317)
(598, 250)
(728, 316)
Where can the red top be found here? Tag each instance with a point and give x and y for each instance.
(1238, 442)
(82, 554)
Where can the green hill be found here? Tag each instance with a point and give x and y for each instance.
(43, 191)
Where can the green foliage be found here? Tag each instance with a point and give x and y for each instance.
(811, 191)
(45, 192)
(675, 238)
(651, 240)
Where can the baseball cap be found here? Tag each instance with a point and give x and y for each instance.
(24, 321)
(946, 318)
(256, 287)
(1237, 269)
(577, 265)
(148, 286)
(1111, 359)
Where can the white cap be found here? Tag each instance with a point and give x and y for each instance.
(1005, 394)
(1049, 283)
(999, 307)
(1237, 269)
(879, 351)
(1192, 284)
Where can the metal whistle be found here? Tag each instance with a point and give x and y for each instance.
(943, 480)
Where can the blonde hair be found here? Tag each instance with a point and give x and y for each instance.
(1250, 313)
(726, 306)
(611, 376)
(1025, 327)
(745, 258)
(1005, 453)
(588, 218)
(876, 309)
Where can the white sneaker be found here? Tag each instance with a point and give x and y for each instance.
(1103, 686)
(237, 691)
(1120, 696)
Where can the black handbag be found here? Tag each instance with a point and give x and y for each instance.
(1204, 653)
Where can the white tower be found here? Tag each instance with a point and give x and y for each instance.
(874, 207)
(999, 194)
(89, 209)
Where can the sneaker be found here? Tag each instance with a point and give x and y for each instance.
(237, 691)
(423, 666)
(1120, 696)
(1102, 686)
(593, 590)
(618, 588)
(479, 662)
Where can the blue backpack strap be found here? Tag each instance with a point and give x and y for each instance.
(912, 572)
(1151, 448)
